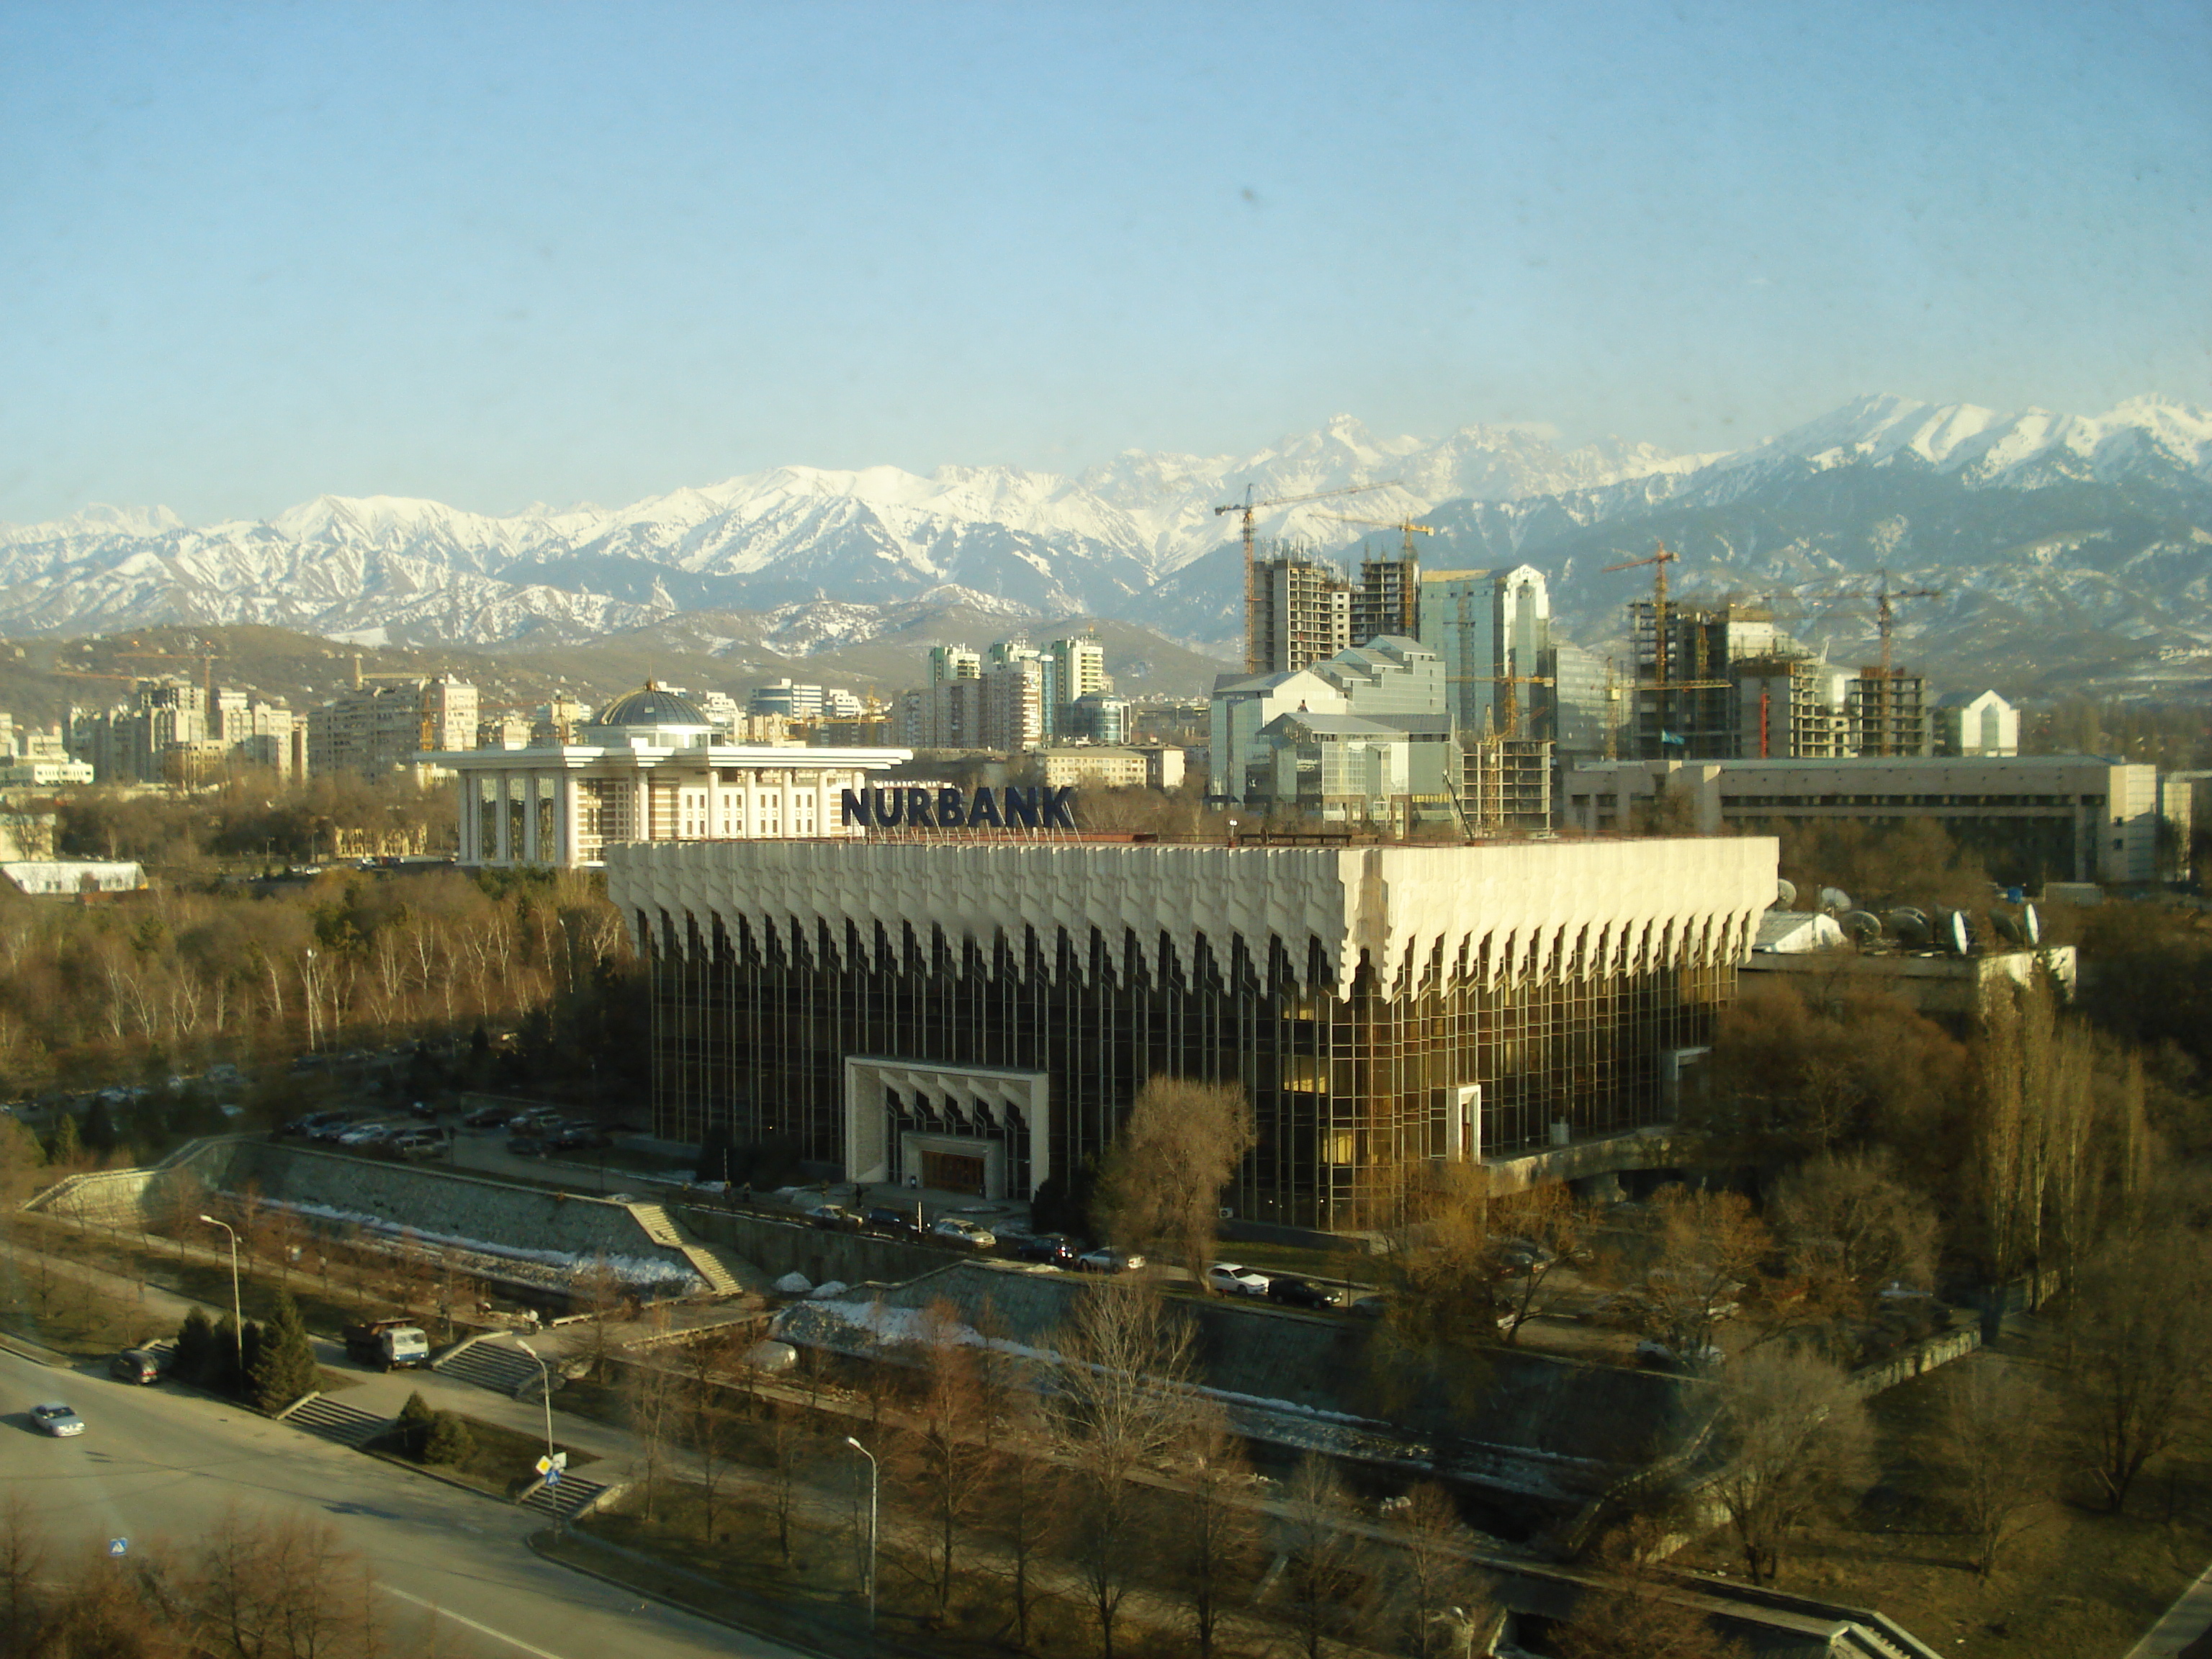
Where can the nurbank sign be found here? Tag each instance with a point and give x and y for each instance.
(948, 808)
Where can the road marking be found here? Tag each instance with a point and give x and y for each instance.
(460, 1618)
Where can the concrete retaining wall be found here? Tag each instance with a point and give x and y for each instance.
(429, 1201)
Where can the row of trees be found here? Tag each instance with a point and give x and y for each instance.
(93, 993)
(254, 1586)
(1105, 1478)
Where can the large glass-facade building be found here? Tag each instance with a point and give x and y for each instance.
(978, 1015)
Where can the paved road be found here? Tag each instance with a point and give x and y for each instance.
(156, 1463)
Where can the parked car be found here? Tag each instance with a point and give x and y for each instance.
(485, 1117)
(891, 1224)
(1295, 1292)
(833, 1218)
(138, 1366)
(525, 1146)
(952, 1229)
(1107, 1260)
(57, 1420)
(1233, 1278)
(1374, 1305)
(1054, 1249)
(366, 1134)
(582, 1138)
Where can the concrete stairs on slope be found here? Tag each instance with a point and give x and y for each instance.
(725, 1272)
(574, 1494)
(499, 1366)
(333, 1420)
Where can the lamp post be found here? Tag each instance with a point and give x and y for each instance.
(237, 1318)
(871, 1456)
(546, 1379)
(1232, 832)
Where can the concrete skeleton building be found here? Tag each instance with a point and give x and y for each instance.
(977, 1014)
(2060, 817)
(647, 769)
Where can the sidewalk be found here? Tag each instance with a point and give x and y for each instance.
(2185, 1630)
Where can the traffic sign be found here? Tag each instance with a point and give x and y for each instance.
(560, 1459)
(553, 1477)
(118, 1547)
(543, 1464)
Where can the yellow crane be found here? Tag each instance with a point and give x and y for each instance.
(1406, 525)
(1246, 508)
(1660, 683)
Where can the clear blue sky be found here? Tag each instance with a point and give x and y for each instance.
(494, 254)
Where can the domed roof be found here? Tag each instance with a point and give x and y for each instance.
(650, 706)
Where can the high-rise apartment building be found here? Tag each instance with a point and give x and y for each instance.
(1388, 604)
(1302, 615)
(381, 726)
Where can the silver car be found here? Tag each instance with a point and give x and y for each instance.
(57, 1420)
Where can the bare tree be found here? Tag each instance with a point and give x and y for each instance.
(1160, 1186)
(2139, 1325)
(1325, 1560)
(1997, 1444)
(1437, 1596)
(944, 1450)
(1533, 1234)
(1708, 1253)
(1217, 1532)
(595, 1290)
(791, 1453)
(1636, 1614)
(704, 1418)
(1852, 1228)
(652, 1399)
(1126, 1365)
(1794, 1437)
(22, 1569)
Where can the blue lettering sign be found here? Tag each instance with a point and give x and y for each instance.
(1057, 803)
(889, 808)
(983, 810)
(951, 808)
(1021, 809)
(917, 810)
(852, 807)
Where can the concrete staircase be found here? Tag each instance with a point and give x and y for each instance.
(495, 1365)
(725, 1272)
(333, 1420)
(559, 1503)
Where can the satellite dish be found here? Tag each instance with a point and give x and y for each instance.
(1952, 933)
(2031, 924)
(2007, 928)
(1835, 901)
(1863, 926)
(1911, 926)
(1785, 896)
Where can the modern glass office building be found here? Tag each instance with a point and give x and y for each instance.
(978, 1014)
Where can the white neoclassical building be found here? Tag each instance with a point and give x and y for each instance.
(647, 769)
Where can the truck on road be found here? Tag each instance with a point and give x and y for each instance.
(388, 1343)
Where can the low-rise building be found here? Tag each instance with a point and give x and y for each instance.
(2078, 817)
(649, 768)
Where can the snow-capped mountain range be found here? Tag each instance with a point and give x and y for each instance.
(2101, 524)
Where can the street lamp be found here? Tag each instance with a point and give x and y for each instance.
(545, 1377)
(871, 1456)
(237, 1318)
(1232, 832)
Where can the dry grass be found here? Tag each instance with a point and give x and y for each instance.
(499, 1461)
(2083, 1584)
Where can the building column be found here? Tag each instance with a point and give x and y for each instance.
(530, 851)
(505, 828)
(564, 819)
(464, 821)
(640, 807)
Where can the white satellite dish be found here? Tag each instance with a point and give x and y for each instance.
(1785, 895)
(2031, 924)
(1835, 901)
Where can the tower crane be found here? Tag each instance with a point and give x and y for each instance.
(1660, 684)
(1406, 525)
(1247, 507)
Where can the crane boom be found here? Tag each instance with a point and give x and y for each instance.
(1247, 507)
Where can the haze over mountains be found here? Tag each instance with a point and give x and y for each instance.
(2072, 552)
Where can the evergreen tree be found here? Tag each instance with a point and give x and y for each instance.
(99, 1135)
(222, 1373)
(67, 1146)
(448, 1440)
(416, 1419)
(283, 1361)
(195, 1349)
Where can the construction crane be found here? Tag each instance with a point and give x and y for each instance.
(1407, 525)
(1660, 684)
(1248, 506)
